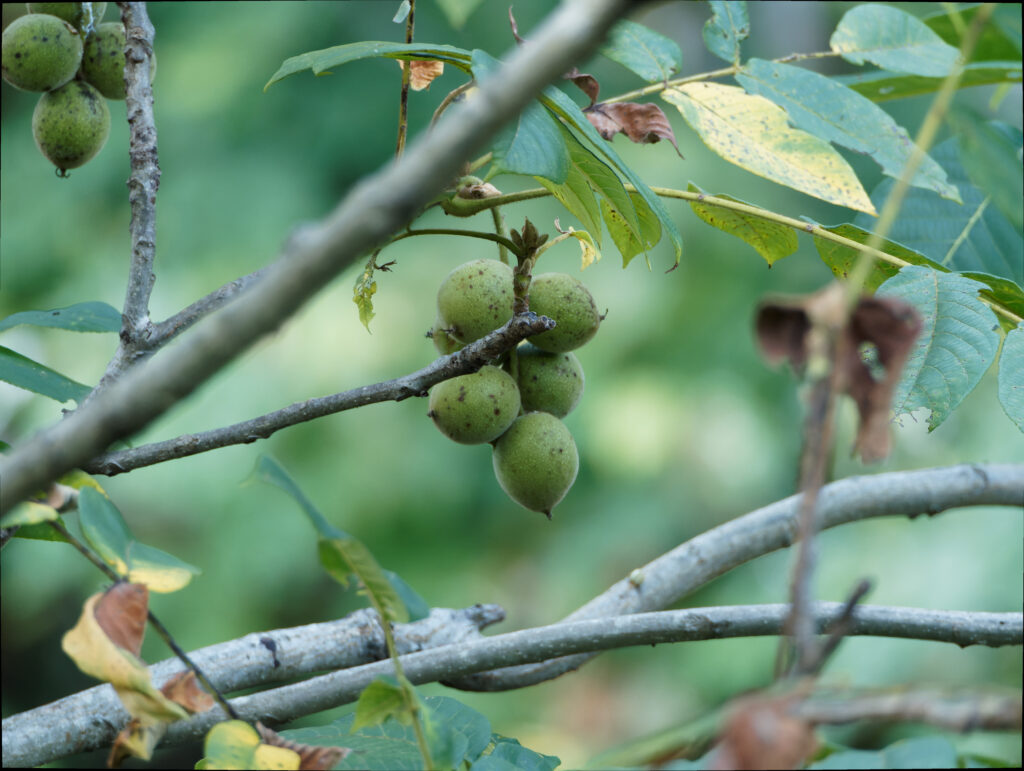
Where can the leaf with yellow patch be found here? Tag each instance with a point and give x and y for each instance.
(771, 240)
(753, 133)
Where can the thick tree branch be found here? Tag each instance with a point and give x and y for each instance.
(466, 360)
(374, 210)
(71, 724)
(689, 566)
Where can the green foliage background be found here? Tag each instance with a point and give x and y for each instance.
(681, 427)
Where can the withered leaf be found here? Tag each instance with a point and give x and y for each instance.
(422, 72)
(887, 326)
(760, 733)
(121, 614)
(586, 82)
(643, 123)
(311, 756)
(184, 689)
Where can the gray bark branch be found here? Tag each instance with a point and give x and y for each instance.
(374, 209)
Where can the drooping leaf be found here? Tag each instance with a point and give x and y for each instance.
(999, 39)
(992, 162)
(837, 114)
(972, 237)
(644, 124)
(894, 40)
(82, 317)
(628, 244)
(566, 109)
(322, 61)
(1011, 376)
(881, 86)
(22, 372)
(531, 145)
(649, 54)
(754, 134)
(728, 25)
(589, 252)
(363, 291)
(576, 193)
(956, 346)
(770, 239)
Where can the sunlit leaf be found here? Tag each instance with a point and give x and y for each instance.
(892, 39)
(23, 372)
(828, 110)
(957, 344)
(628, 244)
(754, 134)
(649, 54)
(82, 317)
(728, 25)
(771, 240)
(1011, 376)
(320, 62)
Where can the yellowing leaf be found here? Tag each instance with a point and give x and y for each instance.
(590, 253)
(422, 72)
(235, 744)
(754, 134)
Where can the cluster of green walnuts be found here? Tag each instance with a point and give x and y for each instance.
(62, 50)
(517, 405)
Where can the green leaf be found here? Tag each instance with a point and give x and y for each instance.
(566, 108)
(972, 237)
(770, 239)
(999, 39)
(831, 111)
(880, 86)
(992, 162)
(340, 553)
(728, 25)
(320, 62)
(531, 145)
(848, 759)
(24, 373)
(40, 532)
(649, 54)
(380, 700)
(29, 513)
(363, 292)
(894, 40)
(921, 752)
(576, 194)
(105, 529)
(1011, 376)
(957, 344)
(626, 242)
(1001, 291)
(83, 317)
(415, 605)
(458, 11)
(754, 134)
(510, 754)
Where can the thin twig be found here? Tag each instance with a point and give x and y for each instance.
(840, 629)
(466, 360)
(403, 100)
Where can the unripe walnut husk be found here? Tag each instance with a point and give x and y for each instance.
(536, 461)
(476, 298)
(476, 408)
(103, 60)
(444, 343)
(549, 382)
(71, 124)
(40, 52)
(565, 299)
(73, 13)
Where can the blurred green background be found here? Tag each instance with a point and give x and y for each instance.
(682, 426)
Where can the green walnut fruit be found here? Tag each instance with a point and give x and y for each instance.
(476, 298)
(549, 382)
(563, 298)
(103, 60)
(536, 461)
(40, 52)
(443, 341)
(75, 13)
(477, 408)
(71, 124)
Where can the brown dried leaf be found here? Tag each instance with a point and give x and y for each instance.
(121, 614)
(643, 123)
(515, 27)
(311, 756)
(185, 690)
(586, 82)
(760, 733)
(782, 333)
(422, 72)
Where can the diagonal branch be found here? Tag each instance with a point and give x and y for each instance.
(464, 361)
(373, 210)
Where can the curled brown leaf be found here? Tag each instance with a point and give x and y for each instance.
(184, 689)
(643, 123)
(121, 614)
(761, 733)
(422, 72)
